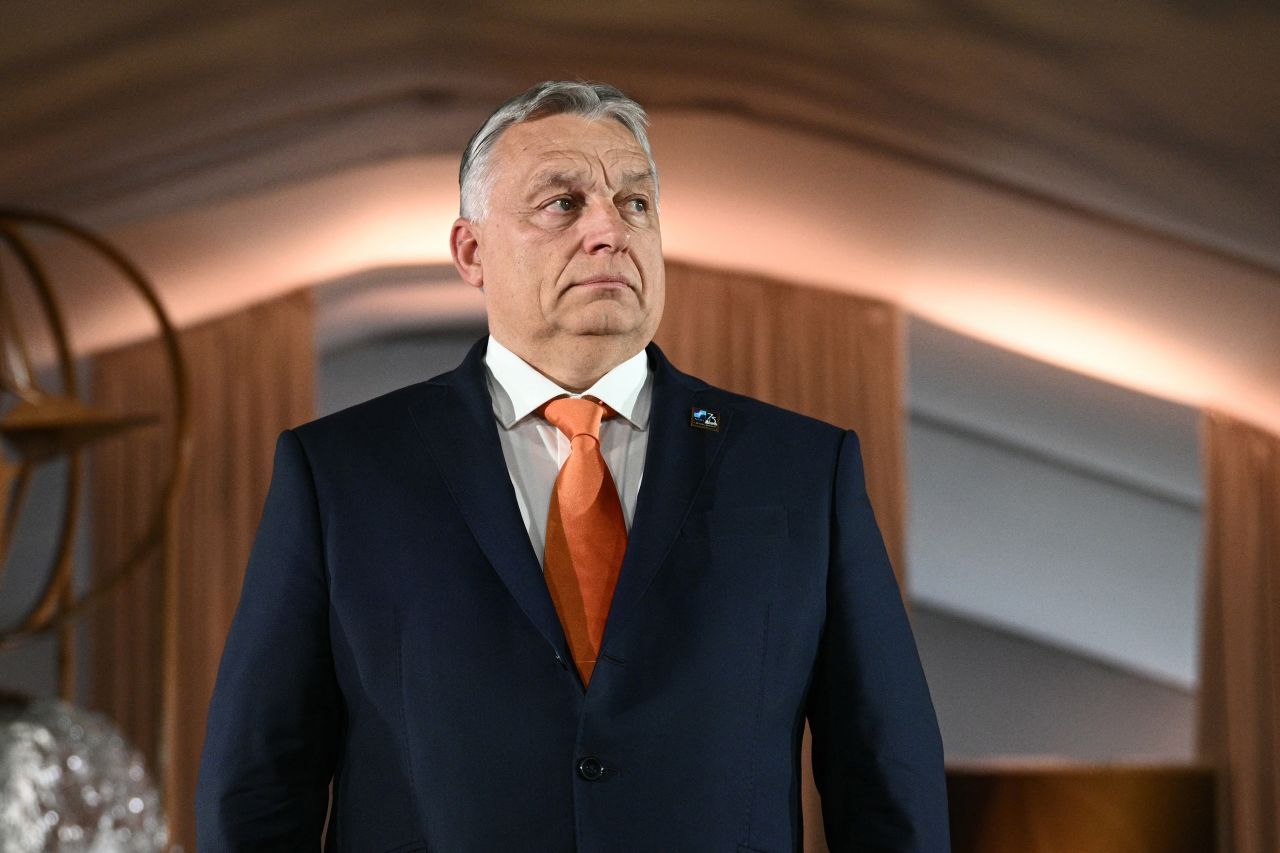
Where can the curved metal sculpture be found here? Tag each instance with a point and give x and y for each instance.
(43, 425)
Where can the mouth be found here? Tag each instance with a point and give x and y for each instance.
(602, 281)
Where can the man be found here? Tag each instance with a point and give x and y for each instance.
(565, 597)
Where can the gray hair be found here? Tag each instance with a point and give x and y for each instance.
(592, 101)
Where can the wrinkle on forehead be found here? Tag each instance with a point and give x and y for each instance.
(577, 159)
(570, 145)
(549, 177)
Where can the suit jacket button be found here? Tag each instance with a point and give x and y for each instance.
(590, 769)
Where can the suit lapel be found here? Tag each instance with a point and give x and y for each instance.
(677, 460)
(458, 425)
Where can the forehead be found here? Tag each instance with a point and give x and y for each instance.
(566, 140)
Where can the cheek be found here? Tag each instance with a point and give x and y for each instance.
(657, 295)
(648, 256)
(527, 266)
(543, 266)
(534, 275)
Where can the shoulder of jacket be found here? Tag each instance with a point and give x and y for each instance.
(770, 416)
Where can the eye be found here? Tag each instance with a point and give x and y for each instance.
(563, 204)
(637, 205)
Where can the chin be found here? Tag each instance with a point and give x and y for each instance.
(605, 320)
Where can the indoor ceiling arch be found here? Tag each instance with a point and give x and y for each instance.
(1095, 110)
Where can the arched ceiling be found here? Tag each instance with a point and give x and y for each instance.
(1094, 187)
(1163, 114)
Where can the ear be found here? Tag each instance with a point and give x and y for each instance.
(464, 246)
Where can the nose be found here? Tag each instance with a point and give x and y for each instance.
(603, 229)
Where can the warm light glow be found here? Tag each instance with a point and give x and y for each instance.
(1124, 308)
(1127, 309)
(1117, 348)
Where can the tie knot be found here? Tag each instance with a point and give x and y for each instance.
(575, 416)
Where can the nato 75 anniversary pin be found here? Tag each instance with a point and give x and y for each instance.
(704, 419)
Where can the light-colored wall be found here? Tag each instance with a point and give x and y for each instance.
(1054, 505)
(1053, 553)
(1053, 556)
(364, 370)
(1000, 695)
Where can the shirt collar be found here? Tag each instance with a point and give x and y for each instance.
(518, 389)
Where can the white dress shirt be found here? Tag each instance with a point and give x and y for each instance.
(534, 450)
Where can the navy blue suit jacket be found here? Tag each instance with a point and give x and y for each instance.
(395, 634)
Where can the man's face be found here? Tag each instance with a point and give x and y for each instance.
(570, 246)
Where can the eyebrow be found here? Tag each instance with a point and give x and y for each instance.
(635, 176)
(641, 176)
(553, 180)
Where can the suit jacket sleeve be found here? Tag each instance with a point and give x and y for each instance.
(274, 721)
(877, 752)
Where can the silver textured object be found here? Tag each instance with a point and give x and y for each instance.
(70, 782)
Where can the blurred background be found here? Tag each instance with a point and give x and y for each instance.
(1029, 250)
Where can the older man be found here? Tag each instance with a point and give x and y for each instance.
(566, 597)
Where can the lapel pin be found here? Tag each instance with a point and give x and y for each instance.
(704, 419)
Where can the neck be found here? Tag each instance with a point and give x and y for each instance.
(579, 364)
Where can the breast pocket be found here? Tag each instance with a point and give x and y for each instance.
(739, 522)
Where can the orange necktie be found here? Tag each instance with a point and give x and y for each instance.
(586, 534)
